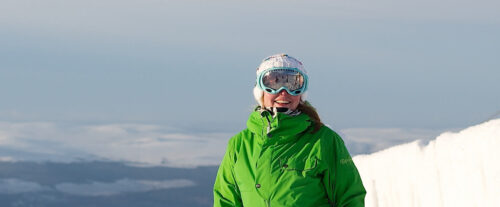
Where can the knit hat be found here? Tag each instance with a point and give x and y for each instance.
(277, 61)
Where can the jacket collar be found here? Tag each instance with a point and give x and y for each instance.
(279, 128)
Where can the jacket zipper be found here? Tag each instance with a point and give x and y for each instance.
(268, 125)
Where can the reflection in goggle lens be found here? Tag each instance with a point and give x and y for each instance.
(276, 79)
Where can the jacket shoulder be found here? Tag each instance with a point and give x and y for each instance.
(238, 140)
(328, 135)
(332, 145)
(240, 136)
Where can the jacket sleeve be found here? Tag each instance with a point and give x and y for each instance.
(342, 180)
(226, 193)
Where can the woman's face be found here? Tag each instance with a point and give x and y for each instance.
(281, 99)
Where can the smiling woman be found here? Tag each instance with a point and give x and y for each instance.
(286, 156)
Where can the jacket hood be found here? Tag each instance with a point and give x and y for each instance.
(280, 128)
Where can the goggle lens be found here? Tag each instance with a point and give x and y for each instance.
(279, 78)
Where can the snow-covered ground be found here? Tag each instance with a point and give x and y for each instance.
(455, 169)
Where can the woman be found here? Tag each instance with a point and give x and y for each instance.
(286, 156)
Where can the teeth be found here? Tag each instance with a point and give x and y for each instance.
(283, 102)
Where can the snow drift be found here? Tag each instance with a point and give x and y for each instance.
(455, 169)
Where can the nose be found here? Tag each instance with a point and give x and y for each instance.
(283, 92)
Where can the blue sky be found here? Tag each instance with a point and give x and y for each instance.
(191, 64)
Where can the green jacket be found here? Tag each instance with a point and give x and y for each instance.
(277, 162)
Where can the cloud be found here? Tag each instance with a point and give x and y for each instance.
(7, 159)
(15, 186)
(120, 186)
(369, 140)
(138, 144)
(156, 145)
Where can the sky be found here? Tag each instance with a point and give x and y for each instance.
(190, 65)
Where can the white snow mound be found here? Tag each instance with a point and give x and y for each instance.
(455, 169)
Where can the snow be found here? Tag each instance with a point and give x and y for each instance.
(455, 169)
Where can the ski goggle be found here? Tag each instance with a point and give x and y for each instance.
(276, 79)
